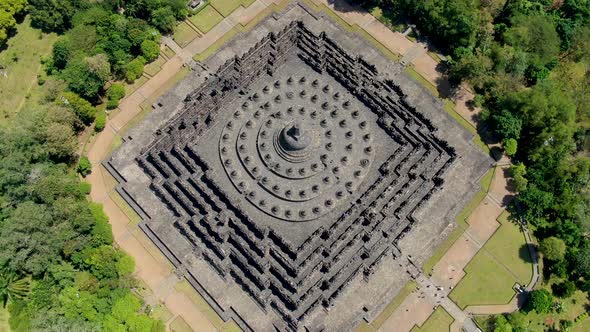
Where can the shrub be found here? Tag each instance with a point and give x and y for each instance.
(553, 248)
(116, 92)
(134, 69)
(85, 187)
(510, 145)
(81, 107)
(112, 104)
(540, 300)
(564, 289)
(150, 50)
(84, 166)
(101, 121)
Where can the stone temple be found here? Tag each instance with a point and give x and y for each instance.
(294, 176)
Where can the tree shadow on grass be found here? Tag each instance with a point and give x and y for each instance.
(525, 254)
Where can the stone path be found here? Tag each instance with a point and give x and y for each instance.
(155, 271)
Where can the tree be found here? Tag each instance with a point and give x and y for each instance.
(115, 93)
(164, 19)
(536, 35)
(82, 108)
(31, 239)
(510, 146)
(518, 172)
(86, 76)
(53, 15)
(135, 69)
(582, 261)
(61, 53)
(12, 287)
(501, 324)
(84, 166)
(553, 248)
(507, 125)
(539, 300)
(564, 289)
(150, 50)
(101, 120)
(8, 9)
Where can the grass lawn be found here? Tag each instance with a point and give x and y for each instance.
(206, 19)
(4, 315)
(495, 269)
(179, 325)
(162, 313)
(440, 320)
(130, 88)
(415, 75)
(168, 52)
(195, 297)
(225, 7)
(154, 67)
(21, 62)
(184, 34)
(507, 245)
(485, 282)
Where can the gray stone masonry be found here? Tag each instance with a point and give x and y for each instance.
(287, 174)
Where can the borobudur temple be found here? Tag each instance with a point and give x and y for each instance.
(296, 176)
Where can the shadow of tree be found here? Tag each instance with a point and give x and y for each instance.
(524, 253)
(346, 7)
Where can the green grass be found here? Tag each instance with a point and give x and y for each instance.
(162, 313)
(415, 75)
(486, 282)
(206, 19)
(155, 66)
(22, 62)
(203, 306)
(507, 246)
(449, 107)
(179, 325)
(4, 315)
(168, 52)
(127, 210)
(461, 220)
(130, 88)
(184, 34)
(440, 320)
(225, 7)
(492, 273)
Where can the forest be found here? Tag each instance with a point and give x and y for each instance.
(59, 269)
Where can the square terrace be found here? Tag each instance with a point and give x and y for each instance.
(291, 175)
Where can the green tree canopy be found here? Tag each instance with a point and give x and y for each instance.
(553, 248)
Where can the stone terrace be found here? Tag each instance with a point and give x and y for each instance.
(297, 236)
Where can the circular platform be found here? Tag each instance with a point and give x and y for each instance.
(296, 148)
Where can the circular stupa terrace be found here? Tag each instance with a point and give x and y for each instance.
(296, 149)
